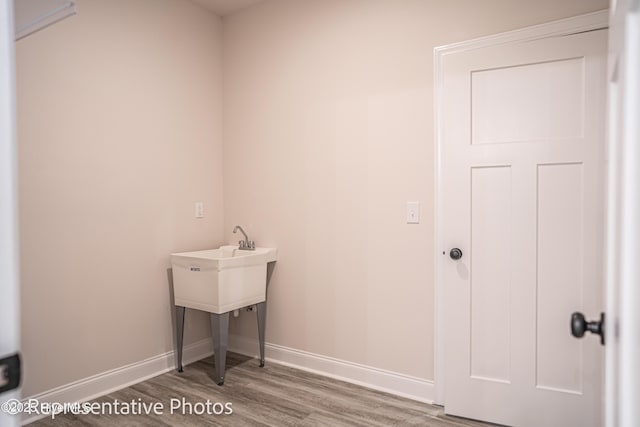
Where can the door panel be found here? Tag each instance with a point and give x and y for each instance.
(522, 173)
(490, 282)
(559, 275)
(520, 103)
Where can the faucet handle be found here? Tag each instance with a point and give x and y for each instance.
(241, 244)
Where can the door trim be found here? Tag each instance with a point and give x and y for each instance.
(582, 23)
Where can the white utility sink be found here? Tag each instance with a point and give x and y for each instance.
(221, 280)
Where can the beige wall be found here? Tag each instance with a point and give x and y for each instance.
(119, 133)
(328, 132)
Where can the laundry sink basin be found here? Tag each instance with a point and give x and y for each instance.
(221, 280)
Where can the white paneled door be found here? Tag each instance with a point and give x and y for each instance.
(523, 155)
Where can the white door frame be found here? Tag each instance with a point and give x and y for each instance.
(9, 267)
(623, 317)
(582, 23)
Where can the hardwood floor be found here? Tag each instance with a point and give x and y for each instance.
(275, 395)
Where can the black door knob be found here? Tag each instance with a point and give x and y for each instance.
(579, 326)
(455, 254)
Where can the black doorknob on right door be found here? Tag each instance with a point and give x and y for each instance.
(579, 326)
(455, 254)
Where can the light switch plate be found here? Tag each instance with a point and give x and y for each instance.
(199, 210)
(413, 212)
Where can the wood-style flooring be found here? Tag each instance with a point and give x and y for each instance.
(275, 395)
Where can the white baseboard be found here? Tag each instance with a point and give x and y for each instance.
(116, 379)
(378, 379)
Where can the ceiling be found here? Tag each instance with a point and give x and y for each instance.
(226, 7)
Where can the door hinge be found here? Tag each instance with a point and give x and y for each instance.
(10, 373)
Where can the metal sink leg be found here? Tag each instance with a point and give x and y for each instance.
(261, 308)
(220, 332)
(179, 334)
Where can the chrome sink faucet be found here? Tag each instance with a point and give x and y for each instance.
(246, 244)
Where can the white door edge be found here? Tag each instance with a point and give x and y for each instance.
(9, 266)
(623, 317)
(580, 23)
